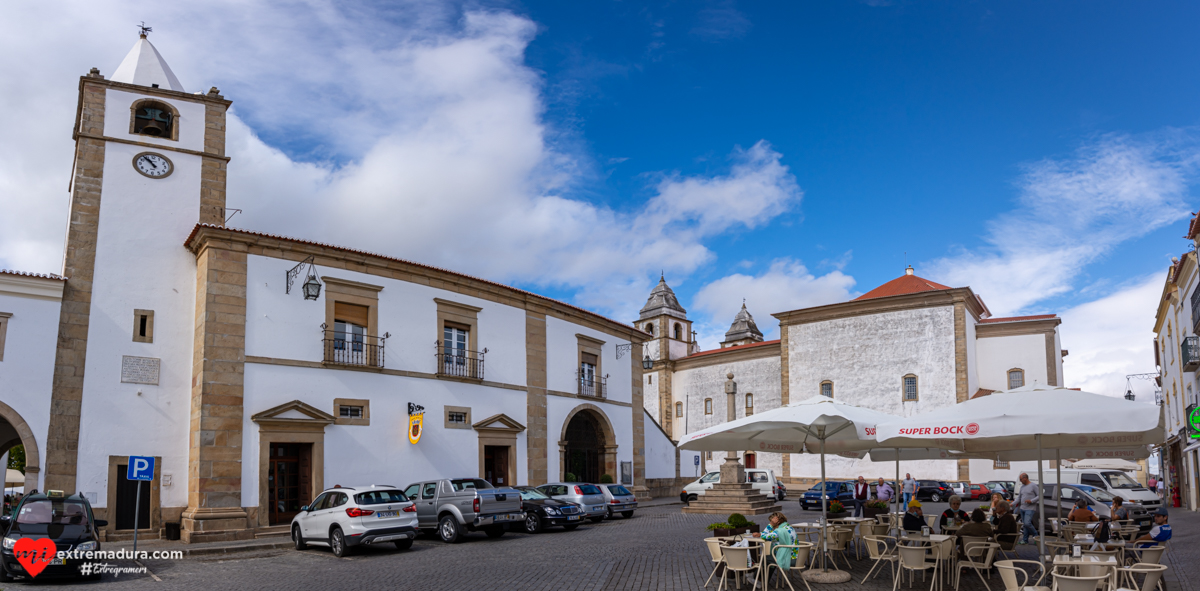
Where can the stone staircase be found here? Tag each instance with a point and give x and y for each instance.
(273, 532)
(733, 498)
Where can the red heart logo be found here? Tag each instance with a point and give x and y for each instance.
(35, 555)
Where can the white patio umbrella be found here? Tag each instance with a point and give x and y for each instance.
(819, 421)
(1109, 463)
(1030, 418)
(13, 478)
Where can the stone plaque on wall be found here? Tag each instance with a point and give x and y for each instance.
(140, 370)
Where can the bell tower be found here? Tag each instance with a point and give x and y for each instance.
(671, 338)
(149, 164)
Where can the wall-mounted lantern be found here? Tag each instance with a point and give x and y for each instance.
(312, 285)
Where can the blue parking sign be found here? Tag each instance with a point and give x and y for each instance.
(140, 468)
(696, 460)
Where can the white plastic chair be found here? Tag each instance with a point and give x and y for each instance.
(1063, 582)
(1015, 578)
(714, 553)
(739, 561)
(1153, 572)
(976, 555)
(915, 558)
(800, 563)
(879, 551)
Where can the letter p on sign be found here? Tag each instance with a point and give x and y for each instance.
(140, 468)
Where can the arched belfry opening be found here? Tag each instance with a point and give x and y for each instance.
(588, 448)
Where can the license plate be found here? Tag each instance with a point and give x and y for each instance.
(506, 517)
(386, 514)
(597, 507)
(58, 561)
(391, 538)
(572, 517)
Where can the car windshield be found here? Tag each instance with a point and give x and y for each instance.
(588, 489)
(711, 477)
(470, 484)
(57, 512)
(828, 486)
(1097, 493)
(617, 489)
(532, 494)
(380, 497)
(1120, 480)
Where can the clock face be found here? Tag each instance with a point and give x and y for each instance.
(153, 165)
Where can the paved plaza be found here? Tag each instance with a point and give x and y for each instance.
(659, 549)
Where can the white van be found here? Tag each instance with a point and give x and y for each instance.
(762, 479)
(1141, 501)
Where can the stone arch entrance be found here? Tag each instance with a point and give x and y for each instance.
(15, 431)
(588, 447)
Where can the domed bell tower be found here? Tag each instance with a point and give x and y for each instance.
(671, 338)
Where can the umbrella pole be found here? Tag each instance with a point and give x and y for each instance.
(1041, 505)
(824, 519)
(1057, 484)
(896, 490)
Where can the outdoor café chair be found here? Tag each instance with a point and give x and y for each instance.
(913, 558)
(1146, 555)
(714, 553)
(839, 542)
(1008, 543)
(1058, 547)
(879, 551)
(977, 555)
(1064, 582)
(1115, 553)
(800, 563)
(1016, 578)
(739, 561)
(1153, 572)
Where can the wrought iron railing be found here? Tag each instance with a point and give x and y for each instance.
(353, 349)
(1189, 353)
(590, 385)
(459, 363)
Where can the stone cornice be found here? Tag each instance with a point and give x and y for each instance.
(291, 249)
(1019, 327)
(732, 356)
(43, 288)
(925, 299)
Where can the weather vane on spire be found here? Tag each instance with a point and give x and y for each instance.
(144, 28)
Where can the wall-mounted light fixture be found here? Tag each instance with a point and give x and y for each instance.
(312, 285)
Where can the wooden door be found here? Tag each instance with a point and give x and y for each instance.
(751, 460)
(495, 465)
(284, 481)
(127, 500)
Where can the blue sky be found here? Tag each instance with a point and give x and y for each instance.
(789, 153)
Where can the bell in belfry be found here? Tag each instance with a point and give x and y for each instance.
(152, 121)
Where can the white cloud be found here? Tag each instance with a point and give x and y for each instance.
(786, 285)
(417, 132)
(1111, 337)
(1072, 212)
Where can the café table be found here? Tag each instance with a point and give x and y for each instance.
(1089, 563)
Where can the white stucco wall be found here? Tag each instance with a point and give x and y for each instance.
(660, 452)
(756, 376)
(27, 368)
(650, 385)
(997, 355)
(972, 357)
(141, 264)
(562, 359)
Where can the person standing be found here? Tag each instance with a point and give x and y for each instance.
(909, 488)
(862, 492)
(1027, 500)
(883, 491)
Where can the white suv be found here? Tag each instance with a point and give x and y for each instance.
(343, 517)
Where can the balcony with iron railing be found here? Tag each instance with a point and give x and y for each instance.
(592, 386)
(459, 363)
(1189, 353)
(343, 348)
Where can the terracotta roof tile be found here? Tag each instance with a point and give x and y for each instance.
(1018, 318)
(733, 348)
(903, 285)
(38, 275)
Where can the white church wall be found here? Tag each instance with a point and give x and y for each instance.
(650, 401)
(867, 357)
(117, 115)
(678, 349)
(660, 452)
(694, 384)
(380, 453)
(972, 357)
(997, 355)
(557, 409)
(141, 264)
(27, 369)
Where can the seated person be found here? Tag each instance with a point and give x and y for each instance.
(1082, 513)
(1119, 511)
(914, 520)
(977, 528)
(1160, 533)
(1003, 519)
(954, 512)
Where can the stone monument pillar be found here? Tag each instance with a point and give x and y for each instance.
(732, 494)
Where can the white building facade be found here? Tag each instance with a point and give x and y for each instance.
(172, 336)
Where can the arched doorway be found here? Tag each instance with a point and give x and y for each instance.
(588, 448)
(13, 432)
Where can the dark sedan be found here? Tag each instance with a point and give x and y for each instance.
(65, 521)
(841, 491)
(933, 490)
(541, 511)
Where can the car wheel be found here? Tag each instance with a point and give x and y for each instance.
(337, 542)
(595, 519)
(448, 530)
(692, 498)
(494, 531)
(403, 544)
(4, 576)
(533, 523)
(935, 497)
(627, 514)
(298, 539)
(571, 527)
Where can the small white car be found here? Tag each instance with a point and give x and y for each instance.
(762, 479)
(347, 516)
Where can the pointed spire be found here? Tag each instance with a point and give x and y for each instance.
(662, 300)
(743, 330)
(144, 66)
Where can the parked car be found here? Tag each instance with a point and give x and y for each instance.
(1008, 486)
(67, 521)
(961, 488)
(348, 516)
(588, 496)
(978, 493)
(541, 511)
(618, 499)
(933, 490)
(763, 480)
(1141, 501)
(454, 506)
(1098, 500)
(782, 494)
(840, 490)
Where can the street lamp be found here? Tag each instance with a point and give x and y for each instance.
(647, 363)
(1129, 395)
(312, 288)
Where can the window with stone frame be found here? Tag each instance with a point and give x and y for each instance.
(749, 404)
(999, 465)
(1016, 378)
(708, 406)
(827, 389)
(678, 409)
(143, 326)
(678, 331)
(911, 394)
(351, 411)
(4, 316)
(154, 118)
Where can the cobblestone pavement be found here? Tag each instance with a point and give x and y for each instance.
(659, 549)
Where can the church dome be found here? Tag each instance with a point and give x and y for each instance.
(743, 329)
(662, 301)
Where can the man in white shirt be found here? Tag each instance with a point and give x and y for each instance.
(862, 492)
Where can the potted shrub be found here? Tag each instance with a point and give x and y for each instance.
(873, 508)
(741, 525)
(836, 509)
(721, 529)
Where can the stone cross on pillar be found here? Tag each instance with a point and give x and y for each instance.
(732, 471)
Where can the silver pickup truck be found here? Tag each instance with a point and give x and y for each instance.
(454, 506)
